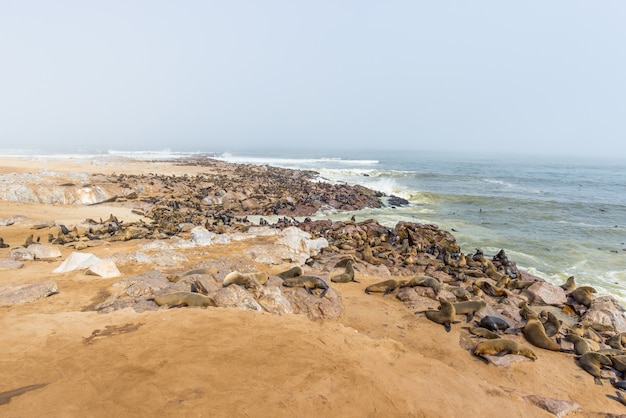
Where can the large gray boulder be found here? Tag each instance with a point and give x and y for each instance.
(12, 294)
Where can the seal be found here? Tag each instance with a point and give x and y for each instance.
(425, 281)
(444, 316)
(494, 323)
(469, 308)
(483, 332)
(458, 292)
(552, 324)
(503, 345)
(581, 345)
(385, 287)
(295, 271)
(618, 363)
(583, 295)
(617, 341)
(308, 282)
(346, 276)
(174, 278)
(570, 284)
(524, 310)
(535, 334)
(184, 299)
(592, 363)
(246, 280)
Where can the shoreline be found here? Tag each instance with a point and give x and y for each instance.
(382, 326)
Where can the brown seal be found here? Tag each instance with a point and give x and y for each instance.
(570, 284)
(444, 316)
(346, 276)
(469, 308)
(592, 363)
(174, 278)
(385, 287)
(308, 282)
(552, 324)
(583, 295)
(425, 281)
(503, 345)
(524, 310)
(483, 332)
(581, 345)
(184, 299)
(295, 271)
(535, 333)
(246, 280)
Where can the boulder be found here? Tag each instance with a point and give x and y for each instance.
(544, 293)
(104, 268)
(41, 251)
(12, 294)
(8, 264)
(235, 296)
(329, 307)
(77, 261)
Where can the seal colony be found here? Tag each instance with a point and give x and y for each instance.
(513, 310)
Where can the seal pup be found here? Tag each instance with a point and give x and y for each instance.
(346, 276)
(535, 334)
(483, 333)
(494, 323)
(294, 271)
(505, 346)
(308, 282)
(385, 287)
(592, 363)
(469, 308)
(177, 299)
(444, 316)
(552, 324)
(524, 309)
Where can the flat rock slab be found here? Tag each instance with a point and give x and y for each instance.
(8, 264)
(12, 294)
(557, 407)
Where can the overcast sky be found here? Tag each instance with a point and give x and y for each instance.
(531, 76)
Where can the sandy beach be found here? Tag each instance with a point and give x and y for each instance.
(60, 357)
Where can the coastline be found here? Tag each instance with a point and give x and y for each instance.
(378, 358)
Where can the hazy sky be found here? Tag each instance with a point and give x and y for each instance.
(531, 76)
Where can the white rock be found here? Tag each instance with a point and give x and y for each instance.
(77, 261)
(104, 268)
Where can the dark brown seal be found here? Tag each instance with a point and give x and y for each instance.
(469, 308)
(291, 273)
(592, 363)
(385, 287)
(346, 276)
(535, 333)
(444, 316)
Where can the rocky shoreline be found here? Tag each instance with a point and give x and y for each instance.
(420, 266)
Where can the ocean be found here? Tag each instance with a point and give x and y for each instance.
(555, 217)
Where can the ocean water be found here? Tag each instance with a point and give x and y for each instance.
(555, 217)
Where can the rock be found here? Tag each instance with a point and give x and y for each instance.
(41, 251)
(104, 268)
(12, 294)
(544, 293)
(505, 360)
(299, 244)
(235, 296)
(145, 284)
(21, 254)
(274, 301)
(329, 307)
(8, 264)
(77, 261)
(201, 236)
(557, 407)
(137, 304)
(606, 310)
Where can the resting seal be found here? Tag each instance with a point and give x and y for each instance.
(535, 333)
(551, 324)
(425, 281)
(174, 278)
(385, 287)
(581, 345)
(583, 295)
(592, 363)
(308, 282)
(246, 280)
(184, 299)
(444, 316)
(503, 345)
(570, 284)
(494, 323)
(291, 273)
(346, 276)
(483, 332)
